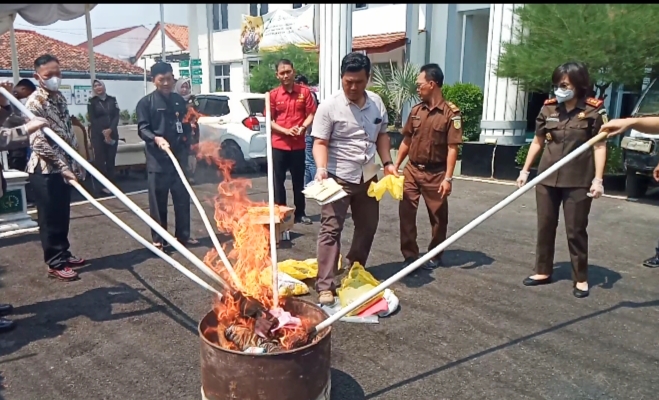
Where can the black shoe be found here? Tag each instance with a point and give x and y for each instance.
(303, 220)
(6, 325)
(408, 261)
(432, 264)
(5, 309)
(652, 262)
(536, 282)
(580, 294)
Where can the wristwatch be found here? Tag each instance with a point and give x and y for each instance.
(449, 180)
(387, 163)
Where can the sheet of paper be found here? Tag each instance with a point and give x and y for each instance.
(338, 195)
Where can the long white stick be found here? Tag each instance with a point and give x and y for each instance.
(119, 194)
(143, 241)
(271, 202)
(207, 223)
(457, 235)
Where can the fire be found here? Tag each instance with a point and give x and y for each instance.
(237, 214)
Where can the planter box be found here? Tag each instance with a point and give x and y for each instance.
(505, 167)
(396, 139)
(477, 159)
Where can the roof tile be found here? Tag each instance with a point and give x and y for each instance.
(379, 42)
(31, 45)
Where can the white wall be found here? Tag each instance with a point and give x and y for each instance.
(152, 60)
(381, 18)
(397, 56)
(128, 93)
(125, 46)
(155, 47)
(237, 76)
(475, 49)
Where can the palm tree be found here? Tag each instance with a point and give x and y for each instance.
(397, 88)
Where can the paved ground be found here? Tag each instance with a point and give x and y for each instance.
(127, 330)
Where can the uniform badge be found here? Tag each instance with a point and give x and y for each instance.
(548, 136)
(605, 118)
(581, 115)
(457, 122)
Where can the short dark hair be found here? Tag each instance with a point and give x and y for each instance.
(302, 79)
(283, 61)
(161, 68)
(433, 73)
(355, 62)
(43, 60)
(26, 83)
(577, 73)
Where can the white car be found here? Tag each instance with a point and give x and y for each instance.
(236, 121)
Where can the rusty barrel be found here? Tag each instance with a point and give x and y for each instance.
(298, 374)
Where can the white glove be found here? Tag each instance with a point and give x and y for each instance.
(521, 180)
(596, 189)
(321, 174)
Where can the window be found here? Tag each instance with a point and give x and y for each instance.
(361, 6)
(220, 17)
(222, 78)
(254, 106)
(214, 106)
(256, 9)
(300, 5)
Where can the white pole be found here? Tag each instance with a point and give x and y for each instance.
(204, 218)
(15, 67)
(143, 241)
(162, 32)
(457, 235)
(145, 85)
(120, 195)
(271, 203)
(90, 43)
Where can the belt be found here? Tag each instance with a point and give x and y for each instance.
(433, 167)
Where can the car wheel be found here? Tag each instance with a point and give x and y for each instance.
(635, 185)
(231, 151)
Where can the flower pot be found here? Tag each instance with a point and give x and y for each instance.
(477, 159)
(396, 138)
(614, 182)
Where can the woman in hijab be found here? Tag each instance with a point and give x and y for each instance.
(103, 113)
(183, 88)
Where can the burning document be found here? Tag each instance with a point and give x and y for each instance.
(325, 191)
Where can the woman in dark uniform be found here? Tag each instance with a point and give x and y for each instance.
(566, 122)
(103, 113)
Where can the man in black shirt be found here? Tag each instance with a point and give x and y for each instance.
(160, 124)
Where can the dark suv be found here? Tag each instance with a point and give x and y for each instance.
(641, 151)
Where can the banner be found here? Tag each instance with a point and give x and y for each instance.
(277, 29)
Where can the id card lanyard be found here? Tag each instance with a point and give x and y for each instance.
(179, 125)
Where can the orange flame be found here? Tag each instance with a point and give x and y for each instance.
(238, 215)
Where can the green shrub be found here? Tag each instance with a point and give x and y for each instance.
(614, 163)
(469, 99)
(520, 157)
(262, 78)
(81, 119)
(124, 115)
(133, 117)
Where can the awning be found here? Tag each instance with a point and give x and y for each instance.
(40, 14)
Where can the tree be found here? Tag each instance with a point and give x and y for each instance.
(397, 88)
(616, 41)
(305, 62)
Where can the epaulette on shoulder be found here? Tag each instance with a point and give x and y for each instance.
(550, 101)
(593, 102)
(453, 107)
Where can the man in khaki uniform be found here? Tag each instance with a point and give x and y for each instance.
(432, 134)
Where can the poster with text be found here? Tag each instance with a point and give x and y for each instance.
(67, 93)
(82, 94)
(277, 29)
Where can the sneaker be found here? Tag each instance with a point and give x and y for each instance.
(75, 261)
(652, 262)
(432, 264)
(65, 274)
(408, 261)
(326, 298)
(6, 325)
(303, 220)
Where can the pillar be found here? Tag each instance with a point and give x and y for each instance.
(193, 41)
(335, 42)
(414, 53)
(504, 103)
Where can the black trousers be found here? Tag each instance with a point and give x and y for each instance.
(52, 196)
(159, 185)
(104, 156)
(293, 161)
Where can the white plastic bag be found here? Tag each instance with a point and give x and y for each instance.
(392, 303)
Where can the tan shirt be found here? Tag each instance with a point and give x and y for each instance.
(432, 130)
(563, 132)
(352, 133)
(48, 156)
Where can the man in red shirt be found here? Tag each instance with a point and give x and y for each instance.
(292, 107)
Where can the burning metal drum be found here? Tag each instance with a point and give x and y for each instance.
(299, 374)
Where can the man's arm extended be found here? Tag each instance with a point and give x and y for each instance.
(13, 137)
(144, 129)
(649, 125)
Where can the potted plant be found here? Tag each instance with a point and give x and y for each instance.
(124, 117)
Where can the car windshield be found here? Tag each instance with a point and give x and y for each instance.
(254, 106)
(649, 104)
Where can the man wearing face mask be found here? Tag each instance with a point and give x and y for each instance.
(160, 123)
(50, 170)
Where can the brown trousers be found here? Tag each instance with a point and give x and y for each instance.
(422, 183)
(576, 207)
(365, 215)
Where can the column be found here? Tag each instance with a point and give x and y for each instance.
(193, 41)
(14, 218)
(414, 54)
(335, 41)
(504, 103)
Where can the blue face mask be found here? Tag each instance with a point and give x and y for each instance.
(563, 95)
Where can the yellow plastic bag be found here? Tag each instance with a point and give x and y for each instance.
(301, 270)
(391, 184)
(357, 282)
(288, 286)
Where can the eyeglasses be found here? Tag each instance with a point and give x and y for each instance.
(564, 86)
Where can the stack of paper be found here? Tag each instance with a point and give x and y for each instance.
(325, 191)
